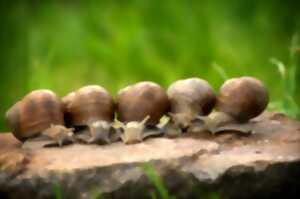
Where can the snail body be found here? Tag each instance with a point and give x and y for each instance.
(189, 99)
(101, 132)
(36, 112)
(87, 107)
(59, 134)
(134, 132)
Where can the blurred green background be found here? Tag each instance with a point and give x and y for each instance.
(63, 45)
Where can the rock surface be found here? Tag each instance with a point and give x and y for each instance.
(265, 164)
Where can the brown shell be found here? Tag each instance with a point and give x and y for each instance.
(193, 96)
(34, 113)
(87, 105)
(139, 100)
(243, 98)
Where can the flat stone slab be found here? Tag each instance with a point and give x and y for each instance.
(229, 165)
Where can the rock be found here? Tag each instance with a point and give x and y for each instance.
(12, 157)
(229, 165)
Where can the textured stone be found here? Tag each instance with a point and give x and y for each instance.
(12, 158)
(265, 164)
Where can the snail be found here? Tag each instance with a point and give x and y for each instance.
(190, 99)
(240, 100)
(140, 107)
(39, 112)
(92, 107)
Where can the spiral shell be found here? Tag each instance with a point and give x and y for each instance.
(242, 98)
(137, 101)
(191, 96)
(87, 105)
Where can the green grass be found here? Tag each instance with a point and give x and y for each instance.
(288, 82)
(162, 192)
(57, 191)
(63, 45)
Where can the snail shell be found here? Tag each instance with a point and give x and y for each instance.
(189, 99)
(242, 98)
(87, 105)
(137, 101)
(191, 95)
(35, 113)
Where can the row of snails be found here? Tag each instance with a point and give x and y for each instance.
(91, 115)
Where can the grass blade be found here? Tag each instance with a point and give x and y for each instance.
(220, 70)
(57, 191)
(156, 181)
